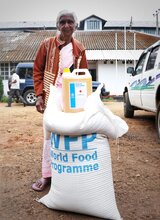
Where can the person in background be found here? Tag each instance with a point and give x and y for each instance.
(104, 93)
(55, 54)
(14, 87)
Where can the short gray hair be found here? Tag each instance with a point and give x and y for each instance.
(64, 13)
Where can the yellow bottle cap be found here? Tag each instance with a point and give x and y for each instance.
(66, 70)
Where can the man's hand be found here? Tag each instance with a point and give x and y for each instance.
(40, 104)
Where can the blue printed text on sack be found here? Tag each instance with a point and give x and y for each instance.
(69, 140)
(71, 157)
(75, 157)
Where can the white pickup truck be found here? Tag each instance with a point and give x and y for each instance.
(143, 88)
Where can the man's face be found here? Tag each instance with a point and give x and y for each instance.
(66, 25)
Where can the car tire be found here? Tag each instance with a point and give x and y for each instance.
(30, 97)
(128, 108)
(158, 122)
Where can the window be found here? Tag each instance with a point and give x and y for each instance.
(22, 73)
(140, 64)
(4, 70)
(152, 58)
(25, 73)
(149, 31)
(93, 24)
(29, 73)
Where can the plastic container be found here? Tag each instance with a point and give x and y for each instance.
(76, 87)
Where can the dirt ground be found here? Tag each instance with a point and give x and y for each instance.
(136, 167)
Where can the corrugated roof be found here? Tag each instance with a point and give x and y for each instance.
(127, 24)
(16, 46)
(27, 24)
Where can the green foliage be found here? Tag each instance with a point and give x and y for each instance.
(108, 99)
(4, 99)
(1, 88)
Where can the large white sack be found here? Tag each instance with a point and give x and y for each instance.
(82, 176)
(95, 118)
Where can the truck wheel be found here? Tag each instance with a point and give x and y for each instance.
(158, 122)
(128, 108)
(30, 97)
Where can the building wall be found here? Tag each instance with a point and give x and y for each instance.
(114, 78)
(5, 87)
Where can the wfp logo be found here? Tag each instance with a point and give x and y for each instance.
(67, 141)
(74, 154)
